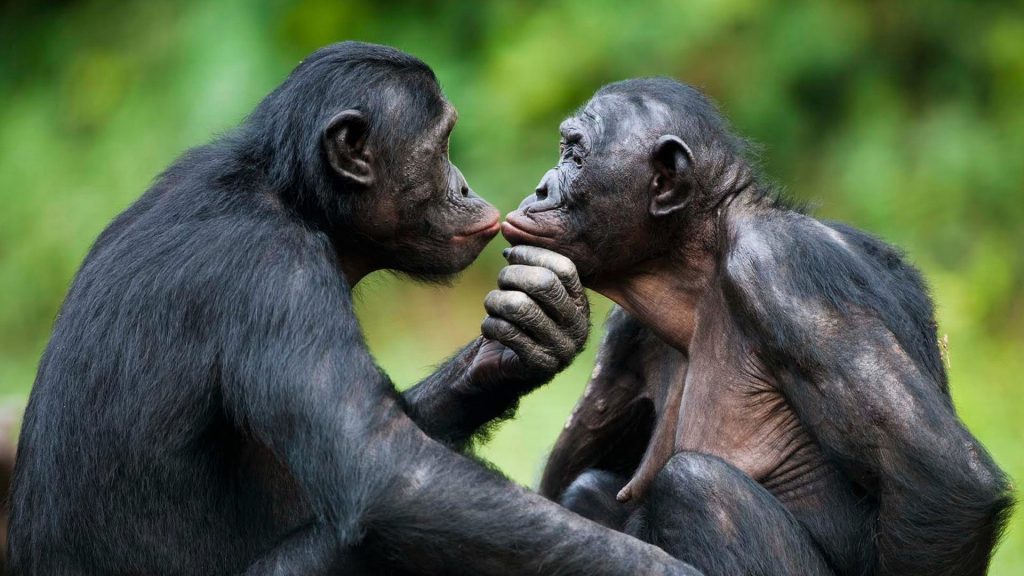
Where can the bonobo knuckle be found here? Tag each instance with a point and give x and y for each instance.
(536, 256)
(492, 298)
(565, 269)
(580, 339)
(506, 303)
(516, 303)
(549, 282)
(545, 279)
(511, 275)
(497, 329)
(581, 328)
(547, 363)
(564, 352)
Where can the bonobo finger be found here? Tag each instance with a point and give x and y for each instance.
(543, 286)
(522, 312)
(560, 265)
(529, 352)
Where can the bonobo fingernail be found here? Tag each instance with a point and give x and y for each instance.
(506, 252)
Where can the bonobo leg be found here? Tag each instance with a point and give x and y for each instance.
(707, 513)
(592, 495)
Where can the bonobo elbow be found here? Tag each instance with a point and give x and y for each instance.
(988, 486)
(981, 507)
(996, 492)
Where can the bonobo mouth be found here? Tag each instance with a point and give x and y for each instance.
(518, 228)
(486, 231)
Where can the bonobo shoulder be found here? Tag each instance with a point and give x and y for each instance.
(795, 280)
(755, 270)
(621, 326)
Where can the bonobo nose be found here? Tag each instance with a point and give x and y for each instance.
(459, 184)
(545, 197)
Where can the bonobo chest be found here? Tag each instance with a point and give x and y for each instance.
(732, 408)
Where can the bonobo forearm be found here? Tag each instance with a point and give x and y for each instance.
(448, 515)
(452, 405)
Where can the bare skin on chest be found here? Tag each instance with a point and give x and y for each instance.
(727, 405)
(731, 408)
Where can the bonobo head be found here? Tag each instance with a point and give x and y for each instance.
(642, 170)
(356, 143)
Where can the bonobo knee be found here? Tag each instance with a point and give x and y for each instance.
(592, 495)
(690, 479)
(689, 491)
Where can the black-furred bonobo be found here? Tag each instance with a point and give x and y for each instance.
(770, 397)
(207, 403)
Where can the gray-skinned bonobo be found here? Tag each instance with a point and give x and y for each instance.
(770, 397)
(207, 403)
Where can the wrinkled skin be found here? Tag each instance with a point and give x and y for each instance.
(770, 397)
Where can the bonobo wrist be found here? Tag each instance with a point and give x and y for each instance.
(495, 369)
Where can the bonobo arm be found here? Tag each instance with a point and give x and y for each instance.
(538, 321)
(612, 423)
(881, 413)
(298, 378)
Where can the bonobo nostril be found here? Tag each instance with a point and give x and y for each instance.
(465, 191)
(541, 192)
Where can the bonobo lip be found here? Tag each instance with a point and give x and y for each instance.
(488, 230)
(519, 228)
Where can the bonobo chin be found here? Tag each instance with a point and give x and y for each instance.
(769, 397)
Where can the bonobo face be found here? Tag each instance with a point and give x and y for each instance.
(416, 213)
(596, 206)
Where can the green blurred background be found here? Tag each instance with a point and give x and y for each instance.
(905, 119)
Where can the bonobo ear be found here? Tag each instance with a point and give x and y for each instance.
(344, 142)
(673, 184)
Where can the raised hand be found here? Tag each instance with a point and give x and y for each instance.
(538, 319)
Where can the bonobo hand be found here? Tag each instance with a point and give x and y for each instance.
(538, 319)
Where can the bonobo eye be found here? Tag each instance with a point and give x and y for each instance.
(571, 151)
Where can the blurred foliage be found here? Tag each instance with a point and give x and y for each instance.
(903, 118)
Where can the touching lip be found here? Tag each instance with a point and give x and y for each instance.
(519, 229)
(490, 230)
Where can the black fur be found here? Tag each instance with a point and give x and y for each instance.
(207, 403)
(812, 345)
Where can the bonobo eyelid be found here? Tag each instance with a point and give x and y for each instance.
(577, 157)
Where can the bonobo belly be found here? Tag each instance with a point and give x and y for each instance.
(731, 410)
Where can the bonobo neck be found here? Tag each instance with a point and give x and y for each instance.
(665, 294)
(353, 267)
